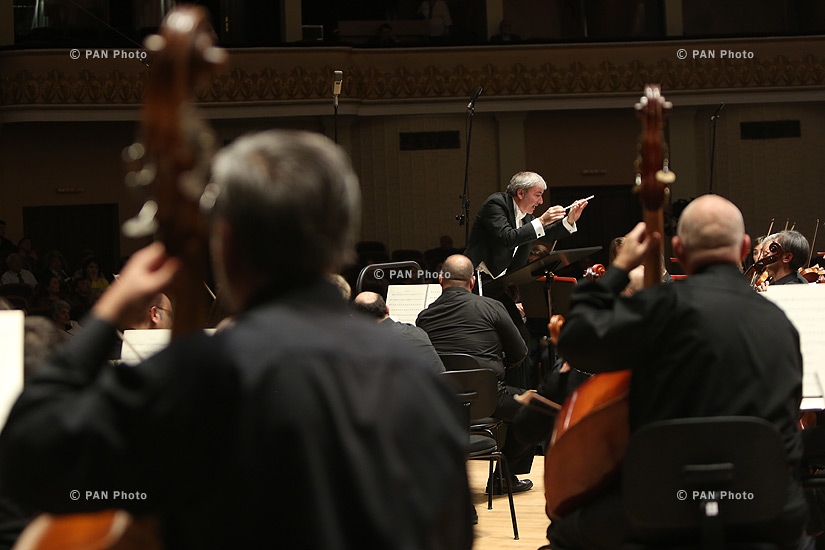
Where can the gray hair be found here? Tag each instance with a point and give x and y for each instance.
(292, 200)
(795, 243)
(525, 180)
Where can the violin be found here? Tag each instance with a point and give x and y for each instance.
(758, 271)
(814, 274)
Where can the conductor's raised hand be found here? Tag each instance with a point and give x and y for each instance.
(149, 271)
(552, 214)
(576, 212)
(636, 244)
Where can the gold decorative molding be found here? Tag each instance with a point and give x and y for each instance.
(31, 79)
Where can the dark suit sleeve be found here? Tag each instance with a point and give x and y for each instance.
(494, 217)
(599, 332)
(555, 232)
(512, 343)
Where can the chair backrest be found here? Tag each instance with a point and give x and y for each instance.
(459, 361)
(671, 468)
(478, 387)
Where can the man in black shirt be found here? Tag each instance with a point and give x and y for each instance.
(696, 348)
(299, 426)
(462, 322)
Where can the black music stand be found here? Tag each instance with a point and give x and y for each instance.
(543, 267)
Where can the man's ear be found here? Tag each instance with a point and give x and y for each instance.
(746, 248)
(678, 250)
(472, 282)
(155, 314)
(787, 257)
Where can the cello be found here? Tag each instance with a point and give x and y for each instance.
(174, 161)
(592, 429)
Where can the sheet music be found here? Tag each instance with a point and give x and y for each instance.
(804, 304)
(407, 301)
(139, 345)
(11, 360)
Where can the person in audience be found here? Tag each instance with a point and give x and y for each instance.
(46, 295)
(436, 256)
(505, 34)
(61, 313)
(298, 397)
(158, 314)
(16, 274)
(30, 261)
(696, 348)
(462, 322)
(373, 305)
(91, 272)
(55, 264)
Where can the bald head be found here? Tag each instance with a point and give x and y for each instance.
(711, 229)
(457, 271)
(372, 304)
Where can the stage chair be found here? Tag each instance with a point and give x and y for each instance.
(477, 390)
(678, 477)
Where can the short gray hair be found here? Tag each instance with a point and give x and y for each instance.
(525, 180)
(292, 200)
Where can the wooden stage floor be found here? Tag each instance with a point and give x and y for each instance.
(495, 530)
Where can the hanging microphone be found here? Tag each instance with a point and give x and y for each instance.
(474, 96)
(338, 78)
(718, 110)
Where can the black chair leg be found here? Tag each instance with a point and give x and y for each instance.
(508, 479)
(492, 484)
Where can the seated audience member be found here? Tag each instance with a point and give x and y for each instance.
(55, 264)
(91, 272)
(62, 316)
(82, 298)
(384, 36)
(436, 256)
(45, 295)
(462, 322)
(30, 261)
(158, 314)
(16, 274)
(505, 34)
(373, 304)
(696, 348)
(297, 398)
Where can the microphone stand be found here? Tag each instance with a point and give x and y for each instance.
(713, 119)
(464, 217)
(335, 117)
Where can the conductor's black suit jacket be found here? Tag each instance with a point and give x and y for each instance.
(494, 236)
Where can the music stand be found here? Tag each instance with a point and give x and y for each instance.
(543, 267)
